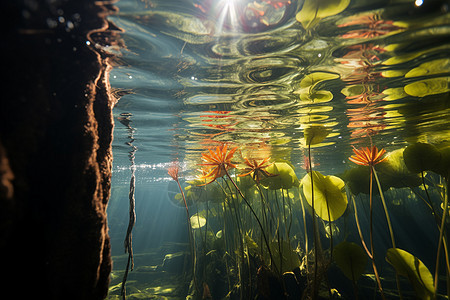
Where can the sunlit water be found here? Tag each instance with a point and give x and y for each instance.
(256, 74)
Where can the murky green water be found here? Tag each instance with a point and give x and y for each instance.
(275, 78)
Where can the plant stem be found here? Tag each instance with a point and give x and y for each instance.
(441, 236)
(191, 242)
(255, 215)
(305, 227)
(391, 232)
(315, 239)
(372, 252)
(359, 229)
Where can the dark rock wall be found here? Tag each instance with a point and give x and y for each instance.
(55, 150)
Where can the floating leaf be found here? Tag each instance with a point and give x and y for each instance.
(315, 134)
(394, 94)
(413, 268)
(327, 195)
(353, 90)
(421, 157)
(428, 87)
(285, 176)
(395, 173)
(443, 167)
(197, 221)
(351, 259)
(311, 80)
(308, 85)
(393, 73)
(402, 58)
(437, 66)
(315, 10)
(317, 96)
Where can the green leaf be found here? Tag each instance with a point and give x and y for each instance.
(315, 10)
(315, 134)
(328, 194)
(394, 94)
(408, 265)
(436, 66)
(395, 173)
(351, 259)
(428, 87)
(308, 85)
(288, 257)
(285, 176)
(421, 157)
(197, 221)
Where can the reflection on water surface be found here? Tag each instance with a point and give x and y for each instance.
(258, 72)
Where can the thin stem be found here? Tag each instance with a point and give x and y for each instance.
(371, 236)
(426, 192)
(441, 235)
(305, 227)
(391, 232)
(359, 230)
(315, 239)
(191, 238)
(254, 214)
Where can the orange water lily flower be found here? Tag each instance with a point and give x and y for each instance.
(257, 169)
(173, 171)
(367, 157)
(216, 164)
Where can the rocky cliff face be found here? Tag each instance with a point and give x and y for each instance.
(55, 150)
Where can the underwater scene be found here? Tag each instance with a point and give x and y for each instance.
(280, 149)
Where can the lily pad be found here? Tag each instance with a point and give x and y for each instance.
(443, 167)
(315, 134)
(351, 259)
(395, 173)
(315, 10)
(285, 176)
(394, 94)
(428, 87)
(197, 221)
(308, 85)
(421, 157)
(413, 268)
(311, 80)
(437, 66)
(328, 194)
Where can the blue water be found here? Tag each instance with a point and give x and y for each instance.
(195, 74)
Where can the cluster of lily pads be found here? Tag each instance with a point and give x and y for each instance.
(259, 222)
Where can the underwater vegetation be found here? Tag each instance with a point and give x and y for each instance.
(264, 234)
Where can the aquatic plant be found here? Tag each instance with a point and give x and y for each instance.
(217, 163)
(313, 11)
(371, 157)
(284, 176)
(351, 259)
(173, 171)
(422, 157)
(331, 201)
(408, 265)
(315, 134)
(257, 170)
